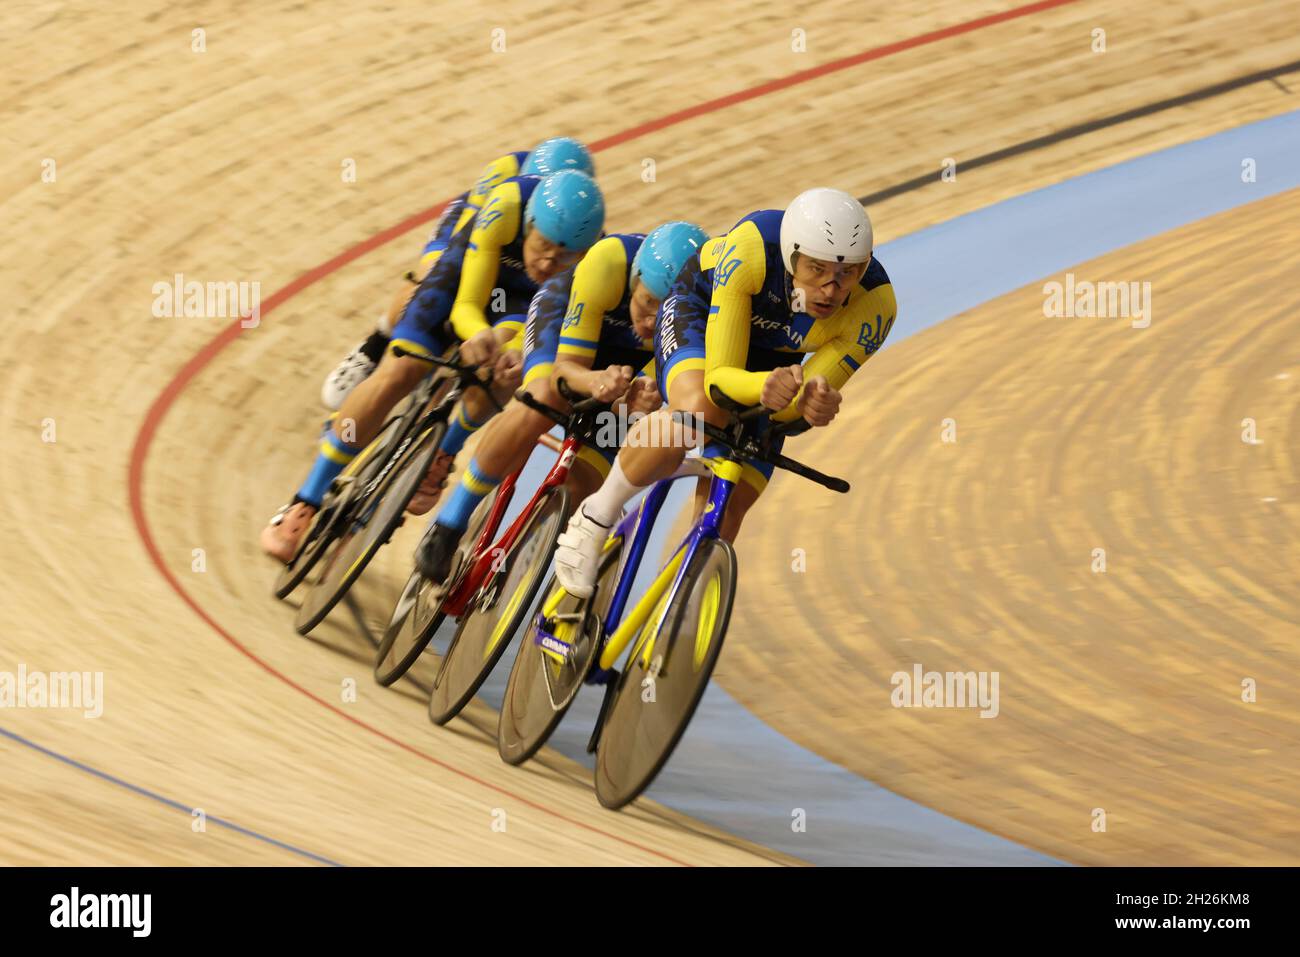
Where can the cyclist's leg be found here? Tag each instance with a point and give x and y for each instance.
(505, 446)
(591, 466)
(754, 476)
(656, 444)
(743, 496)
(357, 423)
(587, 472)
(654, 448)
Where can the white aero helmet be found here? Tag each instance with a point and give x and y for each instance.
(826, 224)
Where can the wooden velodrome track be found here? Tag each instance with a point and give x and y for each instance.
(225, 165)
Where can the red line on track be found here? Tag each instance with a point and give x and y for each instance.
(816, 72)
(188, 372)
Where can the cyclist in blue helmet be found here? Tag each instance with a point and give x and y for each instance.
(558, 153)
(593, 327)
(548, 156)
(662, 256)
(528, 230)
(567, 209)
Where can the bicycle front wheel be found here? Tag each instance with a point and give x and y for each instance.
(665, 677)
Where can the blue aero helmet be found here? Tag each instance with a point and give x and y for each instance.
(663, 254)
(567, 208)
(555, 154)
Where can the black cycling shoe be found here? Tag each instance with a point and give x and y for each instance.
(436, 550)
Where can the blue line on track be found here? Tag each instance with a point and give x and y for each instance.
(153, 795)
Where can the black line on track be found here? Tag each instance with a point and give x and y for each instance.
(1080, 129)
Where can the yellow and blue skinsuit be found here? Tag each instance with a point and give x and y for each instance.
(487, 256)
(584, 313)
(731, 315)
(461, 210)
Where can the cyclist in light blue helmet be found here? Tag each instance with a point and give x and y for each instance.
(568, 209)
(664, 253)
(556, 154)
(529, 230)
(549, 156)
(593, 327)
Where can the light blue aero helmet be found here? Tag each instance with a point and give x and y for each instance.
(663, 254)
(555, 154)
(567, 208)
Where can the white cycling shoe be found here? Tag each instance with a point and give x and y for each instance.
(577, 555)
(347, 375)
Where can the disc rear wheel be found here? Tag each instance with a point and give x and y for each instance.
(418, 613)
(497, 610)
(543, 683)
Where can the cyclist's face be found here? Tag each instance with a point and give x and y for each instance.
(645, 310)
(825, 286)
(544, 259)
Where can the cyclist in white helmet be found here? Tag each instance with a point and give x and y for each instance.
(780, 284)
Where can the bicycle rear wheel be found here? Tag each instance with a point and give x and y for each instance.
(418, 613)
(369, 527)
(497, 610)
(541, 685)
(665, 677)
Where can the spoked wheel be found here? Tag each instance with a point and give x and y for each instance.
(498, 610)
(543, 683)
(370, 525)
(324, 527)
(418, 612)
(665, 676)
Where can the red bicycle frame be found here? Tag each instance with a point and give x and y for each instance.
(487, 557)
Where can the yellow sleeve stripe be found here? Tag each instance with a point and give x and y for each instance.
(542, 370)
(685, 365)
